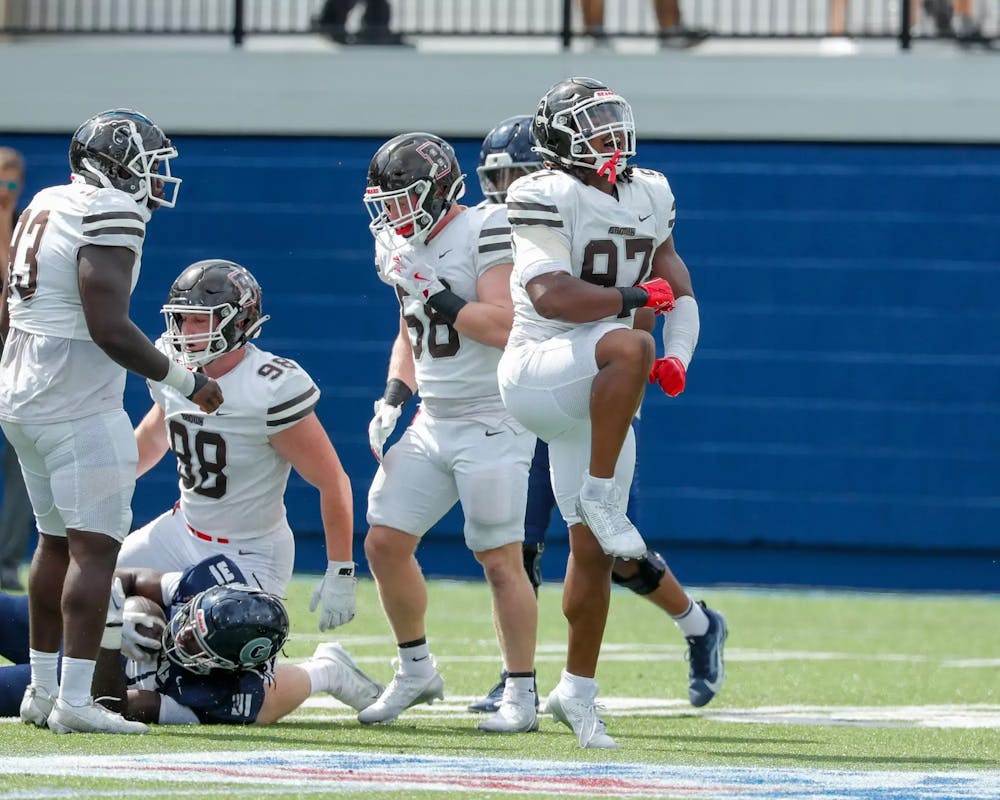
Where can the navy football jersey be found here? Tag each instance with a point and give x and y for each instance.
(221, 697)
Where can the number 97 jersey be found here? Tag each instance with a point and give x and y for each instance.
(232, 481)
(611, 238)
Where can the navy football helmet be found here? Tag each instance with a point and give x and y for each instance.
(507, 153)
(578, 113)
(412, 181)
(125, 150)
(231, 299)
(232, 627)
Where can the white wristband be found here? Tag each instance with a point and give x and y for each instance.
(680, 330)
(112, 638)
(180, 378)
(339, 567)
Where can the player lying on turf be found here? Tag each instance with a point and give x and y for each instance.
(199, 647)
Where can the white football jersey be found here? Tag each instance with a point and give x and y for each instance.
(449, 365)
(232, 481)
(611, 239)
(51, 369)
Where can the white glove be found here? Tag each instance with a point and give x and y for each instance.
(134, 644)
(335, 595)
(416, 278)
(382, 426)
(112, 638)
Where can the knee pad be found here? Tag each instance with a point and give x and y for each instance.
(533, 563)
(651, 568)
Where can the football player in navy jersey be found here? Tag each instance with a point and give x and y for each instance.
(214, 662)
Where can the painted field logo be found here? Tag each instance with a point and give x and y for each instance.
(322, 772)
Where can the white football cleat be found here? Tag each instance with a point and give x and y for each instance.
(613, 530)
(580, 714)
(91, 718)
(515, 714)
(402, 692)
(36, 705)
(349, 684)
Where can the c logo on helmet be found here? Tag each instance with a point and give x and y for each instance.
(440, 164)
(256, 651)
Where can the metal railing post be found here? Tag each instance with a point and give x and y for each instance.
(567, 24)
(904, 25)
(238, 23)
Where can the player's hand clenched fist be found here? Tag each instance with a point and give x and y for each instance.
(661, 296)
(670, 374)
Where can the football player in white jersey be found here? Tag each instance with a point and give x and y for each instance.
(592, 242)
(507, 154)
(234, 465)
(450, 267)
(74, 262)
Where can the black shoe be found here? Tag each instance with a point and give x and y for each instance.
(380, 36)
(680, 37)
(335, 33)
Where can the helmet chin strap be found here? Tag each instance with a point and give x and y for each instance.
(611, 167)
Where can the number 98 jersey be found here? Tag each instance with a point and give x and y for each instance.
(611, 240)
(232, 481)
(449, 365)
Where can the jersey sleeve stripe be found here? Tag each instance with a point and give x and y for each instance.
(514, 205)
(141, 233)
(485, 232)
(551, 223)
(492, 248)
(115, 215)
(305, 411)
(295, 401)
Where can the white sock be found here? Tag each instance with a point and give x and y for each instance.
(577, 686)
(522, 684)
(596, 488)
(44, 670)
(77, 678)
(415, 660)
(319, 675)
(694, 621)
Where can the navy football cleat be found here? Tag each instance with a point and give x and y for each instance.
(707, 672)
(490, 703)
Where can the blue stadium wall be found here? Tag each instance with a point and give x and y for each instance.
(842, 421)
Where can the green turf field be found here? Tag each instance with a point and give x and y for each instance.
(816, 681)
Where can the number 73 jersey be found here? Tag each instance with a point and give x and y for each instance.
(611, 239)
(232, 481)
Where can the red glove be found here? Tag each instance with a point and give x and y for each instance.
(661, 296)
(670, 374)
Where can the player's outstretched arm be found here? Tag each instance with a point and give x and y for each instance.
(105, 280)
(307, 448)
